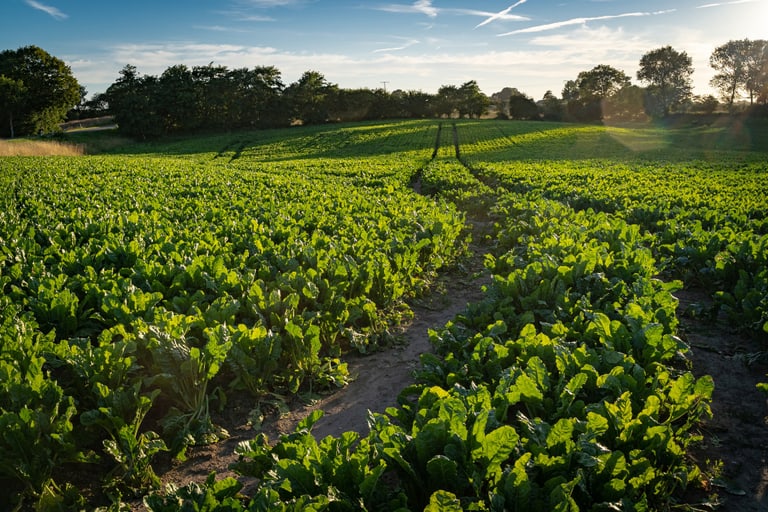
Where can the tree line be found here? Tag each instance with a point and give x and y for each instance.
(184, 99)
(606, 92)
(38, 90)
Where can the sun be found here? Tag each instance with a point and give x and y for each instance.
(746, 17)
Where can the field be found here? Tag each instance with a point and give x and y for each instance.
(168, 297)
(38, 148)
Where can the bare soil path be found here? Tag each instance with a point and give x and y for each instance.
(737, 434)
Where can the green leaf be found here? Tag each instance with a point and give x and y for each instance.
(498, 447)
(442, 471)
(307, 423)
(596, 424)
(529, 391)
(302, 479)
(560, 438)
(443, 501)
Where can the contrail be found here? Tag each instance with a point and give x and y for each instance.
(579, 21)
(499, 14)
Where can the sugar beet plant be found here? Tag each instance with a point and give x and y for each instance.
(135, 287)
(561, 390)
(705, 206)
(256, 266)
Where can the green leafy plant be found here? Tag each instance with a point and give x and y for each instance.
(36, 430)
(342, 472)
(121, 413)
(182, 371)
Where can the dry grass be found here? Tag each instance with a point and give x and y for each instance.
(39, 148)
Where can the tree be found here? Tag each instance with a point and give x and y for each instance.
(447, 100)
(11, 94)
(552, 108)
(501, 100)
(570, 90)
(601, 82)
(522, 106)
(79, 110)
(591, 89)
(756, 69)
(415, 104)
(704, 104)
(628, 104)
(259, 97)
(668, 73)
(133, 100)
(466, 100)
(762, 89)
(471, 100)
(214, 95)
(96, 106)
(730, 62)
(742, 66)
(178, 99)
(45, 89)
(308, 97)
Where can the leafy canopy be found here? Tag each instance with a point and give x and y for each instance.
(36, 91)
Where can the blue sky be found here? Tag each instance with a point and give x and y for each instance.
(533, 45)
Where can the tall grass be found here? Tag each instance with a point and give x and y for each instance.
(39, 148)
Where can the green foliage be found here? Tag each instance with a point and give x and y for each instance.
(146, 281)
(121, 413)
(343, 472)
(668, 74)
(707, 217)
(219, 496)
(37, 91)
(36, 430)
(247, 263)
(181, 366)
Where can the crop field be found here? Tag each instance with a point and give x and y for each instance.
(142, 290)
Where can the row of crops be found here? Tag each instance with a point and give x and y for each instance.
(136, 290)
(139, 292)
(705, 209)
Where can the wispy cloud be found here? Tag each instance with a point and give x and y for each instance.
(426, 8)
(218, 28)
(581, 21)
(707, 6)
(419, 7)
(501, 15)
(271, 3)
(242, 10)
(48, 9)
(406, 44)
(243, 16)
(255, 18)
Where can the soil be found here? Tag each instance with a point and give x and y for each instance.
(733, 454)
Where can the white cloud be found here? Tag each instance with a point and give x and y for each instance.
(219, 28)
(271, 3)
(407, 43)
(707, 6)
(581, 21)
(255, 18)
(48, 9)
(418, 7)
